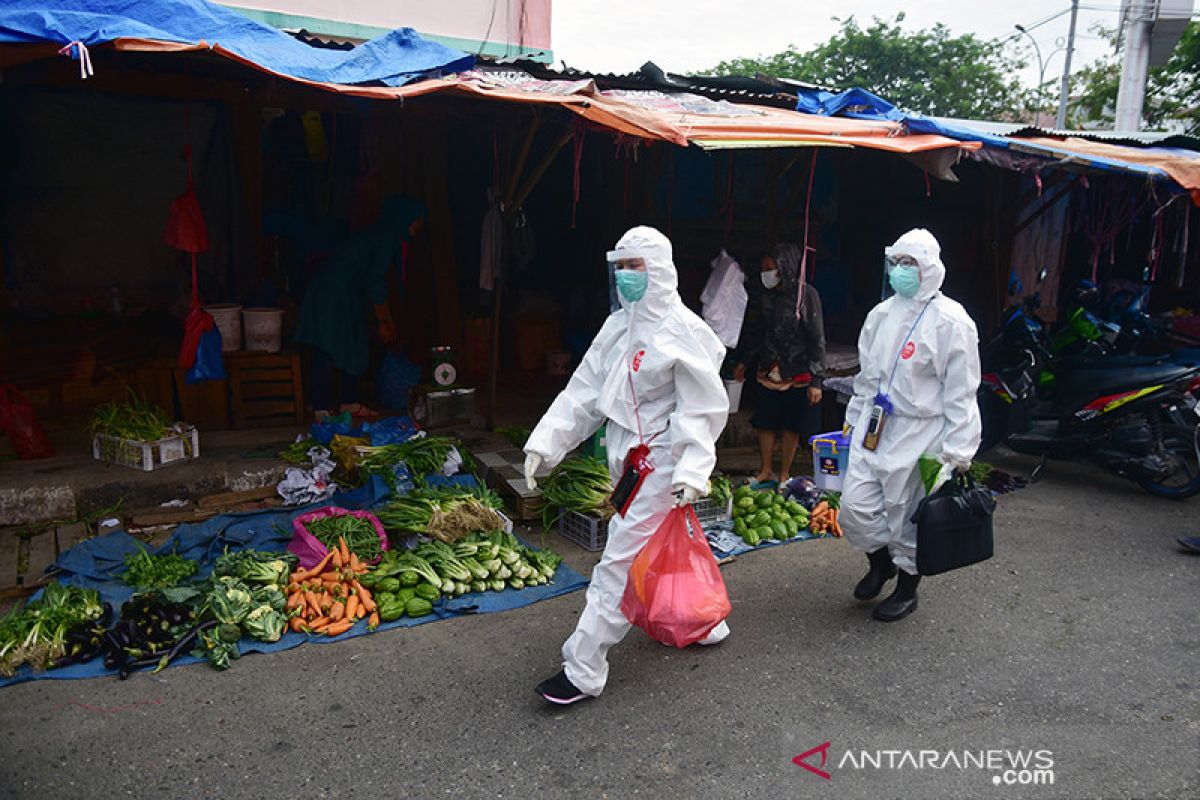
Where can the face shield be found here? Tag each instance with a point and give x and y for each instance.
(627, 276)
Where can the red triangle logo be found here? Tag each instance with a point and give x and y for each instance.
(802, 760)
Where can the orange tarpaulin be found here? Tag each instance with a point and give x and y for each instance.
(1181, 165)
(641, 114)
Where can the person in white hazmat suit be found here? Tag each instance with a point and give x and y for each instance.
(653, 373)
(918, 356)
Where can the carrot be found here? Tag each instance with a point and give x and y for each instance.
(297, 624)
(295, 601)
(345, 551)
(313, 602)
(322, 564)
(352, 606)
(338, 628)
(293, 587)
(318, 622)
(373, 621)
(364, 597)
(337, 611)
(354, 563)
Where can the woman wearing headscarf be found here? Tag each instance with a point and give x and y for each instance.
(786, 340)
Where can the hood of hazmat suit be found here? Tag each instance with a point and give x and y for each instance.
(922, 352)
(653, 367)
(653, 373)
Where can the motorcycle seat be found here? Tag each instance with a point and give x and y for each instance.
(1110, 379)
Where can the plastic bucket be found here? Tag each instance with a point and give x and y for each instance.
(734, 390)
(228, 317)
(831, 457)
(264, 329)
(558, 362)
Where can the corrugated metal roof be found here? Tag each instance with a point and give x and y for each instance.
(1127, 138)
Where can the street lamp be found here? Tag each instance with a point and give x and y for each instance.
(1037, 117)
(1060, 46)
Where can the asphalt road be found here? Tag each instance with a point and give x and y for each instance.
(1079, 638)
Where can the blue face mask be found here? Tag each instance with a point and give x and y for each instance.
(631, 283)
(905, 280)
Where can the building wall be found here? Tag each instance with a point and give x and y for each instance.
(487, 27)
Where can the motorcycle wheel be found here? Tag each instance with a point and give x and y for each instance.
(1182, 444)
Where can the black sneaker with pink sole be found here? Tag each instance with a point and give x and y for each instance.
(560, 691)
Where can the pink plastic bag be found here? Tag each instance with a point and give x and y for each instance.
(309, 548)
(675, 591)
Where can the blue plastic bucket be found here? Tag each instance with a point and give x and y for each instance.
(831, 457)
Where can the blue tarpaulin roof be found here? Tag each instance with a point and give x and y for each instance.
(393, 59)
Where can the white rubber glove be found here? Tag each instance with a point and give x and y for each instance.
(533, 462)
(685, 495)
(960, 466)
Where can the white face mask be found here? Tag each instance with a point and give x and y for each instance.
(770, 279)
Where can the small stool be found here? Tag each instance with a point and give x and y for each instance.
(265, 389)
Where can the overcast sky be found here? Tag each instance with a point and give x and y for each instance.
(621, 35)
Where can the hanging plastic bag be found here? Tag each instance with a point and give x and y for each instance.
(675, 590)
(19, 422)
(209, 365)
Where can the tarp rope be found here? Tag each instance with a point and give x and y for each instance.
(812, 174)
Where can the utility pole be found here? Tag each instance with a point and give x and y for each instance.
(1131, 95)
(1064, 94)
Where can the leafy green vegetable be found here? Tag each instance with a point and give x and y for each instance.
(256, 567)
(269, 596)
(297, 452)
(146, 570)
(265, 624)
(138, 420)
(577, 484)
(37, 633)
(229, 600)
(219, 645)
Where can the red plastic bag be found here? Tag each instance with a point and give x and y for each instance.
(675, 591)
(19, 421)
(309, 548)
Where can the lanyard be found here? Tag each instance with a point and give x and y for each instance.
(907, 338)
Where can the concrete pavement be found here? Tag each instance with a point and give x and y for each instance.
(1079, 638)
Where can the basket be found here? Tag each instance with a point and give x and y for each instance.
(148, 456)
(709, 511)
(590, 533)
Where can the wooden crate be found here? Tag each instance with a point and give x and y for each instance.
(265, 389)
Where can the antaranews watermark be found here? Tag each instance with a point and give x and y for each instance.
(1007, 767)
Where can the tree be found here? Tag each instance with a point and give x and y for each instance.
(929, 71)
(1172, 90)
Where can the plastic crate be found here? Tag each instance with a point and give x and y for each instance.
(709, 511)
(590, 533)
(148, 456)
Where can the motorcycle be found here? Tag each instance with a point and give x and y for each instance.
(1136, 416)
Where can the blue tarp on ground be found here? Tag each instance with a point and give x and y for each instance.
(393, 59)
(92, 564)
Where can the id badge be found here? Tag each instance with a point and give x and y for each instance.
(637, 468)
(879, 414)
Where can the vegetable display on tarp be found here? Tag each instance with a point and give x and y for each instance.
(445, 513)
(577, 484)
(59, 626)
(824, 517)
(240, 606)
(765, 515)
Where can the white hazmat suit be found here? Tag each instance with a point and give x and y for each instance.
(936, 373)
(657, 361)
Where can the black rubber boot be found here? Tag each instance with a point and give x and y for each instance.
(902, 602)
(882, 570)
